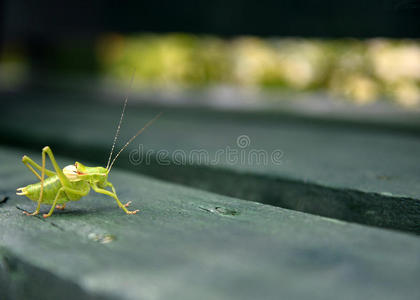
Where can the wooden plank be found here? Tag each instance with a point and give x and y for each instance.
(189, 244)
(351, 172)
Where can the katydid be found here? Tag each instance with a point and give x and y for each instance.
(74, 181)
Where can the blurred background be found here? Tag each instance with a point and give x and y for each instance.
(354, 52)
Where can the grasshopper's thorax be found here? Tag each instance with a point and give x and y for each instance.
(78, 171)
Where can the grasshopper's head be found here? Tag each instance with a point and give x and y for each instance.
(79, 171)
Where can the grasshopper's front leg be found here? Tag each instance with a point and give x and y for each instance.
(113, 190)
(113, 194)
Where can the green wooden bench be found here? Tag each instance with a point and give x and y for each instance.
(189, 243)
(351, 169)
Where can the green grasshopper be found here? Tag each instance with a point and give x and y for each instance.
(74, 181)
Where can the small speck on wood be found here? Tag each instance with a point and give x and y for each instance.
(4, 199)
(220, 210)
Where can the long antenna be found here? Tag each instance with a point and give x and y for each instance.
(119, 123)
(134, 136)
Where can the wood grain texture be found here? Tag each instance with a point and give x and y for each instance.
(350, 170)
(190, 244)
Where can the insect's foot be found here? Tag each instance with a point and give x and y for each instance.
(133, 212)
(46, 215)
(61, 207)
(127, 204)
(30, 214)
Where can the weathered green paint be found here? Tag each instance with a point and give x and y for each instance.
(350, 170)
(190, 244)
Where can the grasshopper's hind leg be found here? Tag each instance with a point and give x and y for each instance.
(66, 190)
(38, 207)
(30, 164)
(61, 190)
(63, 179)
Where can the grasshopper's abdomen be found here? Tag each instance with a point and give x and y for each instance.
(51, 187)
